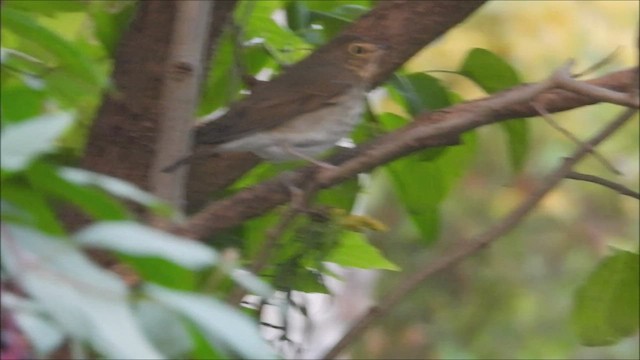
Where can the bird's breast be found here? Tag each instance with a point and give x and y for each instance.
(310, 133)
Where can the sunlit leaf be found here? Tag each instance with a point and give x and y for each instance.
(46, 7)
(355, 251)
(20, 102)
(65, 53)
(391, 122)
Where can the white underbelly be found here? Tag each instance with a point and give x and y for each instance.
(310, 134)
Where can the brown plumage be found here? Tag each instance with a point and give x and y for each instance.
(302, 112)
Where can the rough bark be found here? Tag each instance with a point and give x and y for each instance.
(122, 138)
(406, 26)
(426, 130)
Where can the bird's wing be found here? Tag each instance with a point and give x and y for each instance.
(271, 104)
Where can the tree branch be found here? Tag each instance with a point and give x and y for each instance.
(425, 131)
(179, 96)
(406, 26)
(467, 248)
(623, 190)
(122, 137)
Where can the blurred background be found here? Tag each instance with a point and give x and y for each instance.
(513, 300)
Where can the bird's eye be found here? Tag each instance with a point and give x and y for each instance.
(356, 49)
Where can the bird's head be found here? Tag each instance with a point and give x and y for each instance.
(361, 56)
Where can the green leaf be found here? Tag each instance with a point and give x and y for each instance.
(28, 68)
(517, 132)
(139, 240)
(298, 16)
(391, 122)
(341, 196)
(88, 302)
(335, 20)
(110, 23)
(202, 347)
(66, 54)
(256, 58)
(489, 71)
(423, 180)
(46, 7)
(20, 102)
(606, 306)
(115, 187)
(45, 180)
(161, 271)
(494, 74)
(420, 92)
(165, 329)
(41, 216)
(308, 281)
(223, 81)
(23, 142)
(281, 42)
(355, 251)
(219, 322)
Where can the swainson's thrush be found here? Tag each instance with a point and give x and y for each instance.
(302, 113)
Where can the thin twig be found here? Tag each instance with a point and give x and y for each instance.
(468, 248)
(419, 134)
(607, 59)
(547, 117)
(623, 190)
(564, 80)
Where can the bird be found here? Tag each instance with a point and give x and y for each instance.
(302, 113)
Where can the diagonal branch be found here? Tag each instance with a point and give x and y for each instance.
(470, 247)
(425, 131)
(623, 190)
(406, 26)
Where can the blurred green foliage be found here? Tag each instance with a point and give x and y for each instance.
(513, 301)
